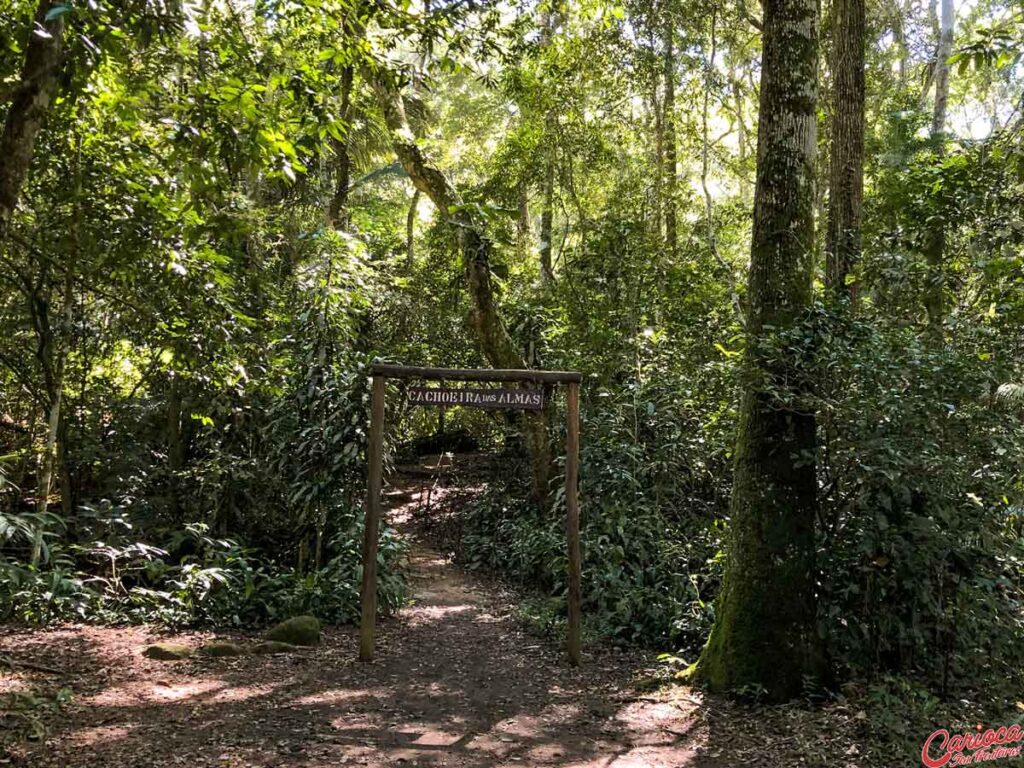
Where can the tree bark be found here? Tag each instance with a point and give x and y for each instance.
(410, 230)
(944, 51)
(52, 358)
(899, 38)
(659, 164)
(764, 634)
(547, 214)
(709, 203)
(67, 490)
(669, 130)
(524, 232)
(935, 236)
(29, 107)
(495, 342)
(741, 135)
(175, 447)
(337, 211)
(547, 219)
(846, 165)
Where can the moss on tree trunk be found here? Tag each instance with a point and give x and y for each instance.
(763, 638)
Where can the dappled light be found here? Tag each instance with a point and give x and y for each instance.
(500, 383)
(456, 683)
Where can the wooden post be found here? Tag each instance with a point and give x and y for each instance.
(375, 459)
(572, 517)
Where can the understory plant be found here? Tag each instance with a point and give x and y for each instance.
(218, 583)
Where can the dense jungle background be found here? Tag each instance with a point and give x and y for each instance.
(215, 214)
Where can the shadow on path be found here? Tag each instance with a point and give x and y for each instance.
(456, 682)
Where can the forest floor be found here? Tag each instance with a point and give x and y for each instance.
(457, 682)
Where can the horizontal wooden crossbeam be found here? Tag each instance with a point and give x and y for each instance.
(475, 374)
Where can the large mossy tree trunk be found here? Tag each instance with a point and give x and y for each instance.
(763, 638)
(846, 168)
(30, 104)
(496, 344)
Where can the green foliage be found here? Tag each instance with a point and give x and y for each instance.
(174, 300)
(651, 503)
(218, 584)
(920, 549)
(22, 712)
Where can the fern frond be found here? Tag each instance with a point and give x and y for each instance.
(1011, 394)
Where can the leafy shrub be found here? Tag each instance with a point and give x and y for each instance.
(654, 474)
(920, 533)
(220, 584)
(920, 542)
(22, 713)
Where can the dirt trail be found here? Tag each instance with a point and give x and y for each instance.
(456, 683)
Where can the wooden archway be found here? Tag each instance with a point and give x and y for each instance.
(380, 374)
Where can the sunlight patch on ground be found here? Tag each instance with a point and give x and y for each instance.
(344, 726)
(428, 735)
(180, 691)
(427, 614)
(101, 734)
(656, 757)
(438, 738)
(241, 693)
(14, 684)
(132, 694)
(340, 695)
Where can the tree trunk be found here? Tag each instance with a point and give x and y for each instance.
(659, 165)
(496, 344)
(547, 214)
(669, 129)
(67, 505)
(29, 107)
(52, 359)
(50, 448)
(935, 236)
(764, 634)
(410, 230)
(547, 218)
(49, 458)
(175, 448)
(741, 136)
(899, 38)
(524, 232)
(944, 51)
(846, 166)
(337, 211)
(709, 203)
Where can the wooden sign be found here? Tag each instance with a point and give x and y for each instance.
(492, 399)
